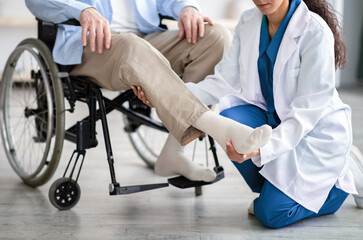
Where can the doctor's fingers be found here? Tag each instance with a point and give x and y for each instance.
(233, 154)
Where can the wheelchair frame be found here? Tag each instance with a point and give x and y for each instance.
(83, 133)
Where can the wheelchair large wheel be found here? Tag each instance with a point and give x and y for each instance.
(148, 143)
(32, 112)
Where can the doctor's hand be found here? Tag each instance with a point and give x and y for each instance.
(191, 23)
(97, 26)
(141, 95)
(235, 156)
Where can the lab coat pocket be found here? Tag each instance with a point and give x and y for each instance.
(292, 79)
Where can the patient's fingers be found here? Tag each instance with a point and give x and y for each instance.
(191, 24)
(107, 32)
(181, 29)
(94, 24)
(208, 20)
(84, 35)
(194, 30)
(100, 37)
(92, 38)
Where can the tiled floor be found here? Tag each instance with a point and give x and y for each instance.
(169, 213)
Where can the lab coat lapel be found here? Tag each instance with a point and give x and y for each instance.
(294, 30)
(287, 48)
(250, 37)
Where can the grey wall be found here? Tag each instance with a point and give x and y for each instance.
(16, 24)
(353, 19)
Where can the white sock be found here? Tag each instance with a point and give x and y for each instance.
(172, 161)
(244, 139)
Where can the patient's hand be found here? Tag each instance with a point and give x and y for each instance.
(141, 95)
(97, 26)
(235, 156)
(191, 23)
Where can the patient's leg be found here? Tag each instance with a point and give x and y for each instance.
(245, 139)
(172, 161)
(133, 61)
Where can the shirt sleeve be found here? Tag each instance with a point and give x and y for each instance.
(226, 75)
(173, 8)
(56, 11)
(315, 91)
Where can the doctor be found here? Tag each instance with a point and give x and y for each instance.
(283, 60)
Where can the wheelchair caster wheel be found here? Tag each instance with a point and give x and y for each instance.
(64, 193)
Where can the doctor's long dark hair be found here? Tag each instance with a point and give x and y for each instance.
(325, 10)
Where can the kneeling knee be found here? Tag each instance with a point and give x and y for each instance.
(272, 218)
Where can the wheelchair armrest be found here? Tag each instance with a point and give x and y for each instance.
(73, 22)
(47, 31)
(161, 20)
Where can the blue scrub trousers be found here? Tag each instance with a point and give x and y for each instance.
(273, 208)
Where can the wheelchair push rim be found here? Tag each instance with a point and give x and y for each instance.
(31, 112)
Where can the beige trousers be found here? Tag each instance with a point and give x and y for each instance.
(154, 62)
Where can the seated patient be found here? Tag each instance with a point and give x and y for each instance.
(137, 51)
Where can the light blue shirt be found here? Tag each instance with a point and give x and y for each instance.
(68, 47)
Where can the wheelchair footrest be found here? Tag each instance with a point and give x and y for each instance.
(116, 189)
(182, 182)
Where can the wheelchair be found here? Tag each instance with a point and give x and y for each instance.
(35, 96)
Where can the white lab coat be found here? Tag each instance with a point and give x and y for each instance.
(308, 151)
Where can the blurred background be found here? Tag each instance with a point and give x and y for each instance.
(17, 23)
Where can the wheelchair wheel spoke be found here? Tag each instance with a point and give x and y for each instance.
(32, 94)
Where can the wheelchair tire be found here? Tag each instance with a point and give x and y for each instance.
(64, 193)
(32, 112)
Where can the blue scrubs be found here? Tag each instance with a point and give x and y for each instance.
(273, 208)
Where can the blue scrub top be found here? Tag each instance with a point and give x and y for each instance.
(268, 50)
